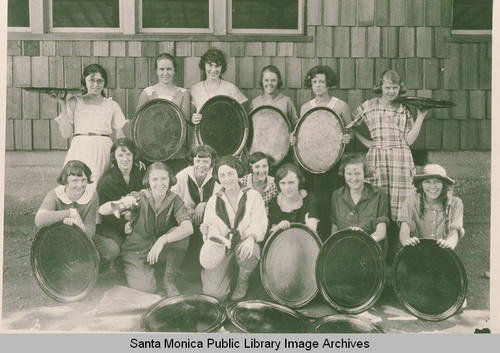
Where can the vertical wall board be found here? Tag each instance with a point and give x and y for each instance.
(390, 42)
(324, 39)
(82, 48)
(222, 46)
(347, 13)
(415, 13)
(244, 77)
(346, 76)
(22, 71)
(445, 96)
(14, 47)
(373, 42)
(339, 93)
(48, 107)
(40, 71)
(9, 135)
(400, 66)
(302, 96)
(308, 64)
(73, 71)
(341, 42)
(419, 143)
(284, 49)
(358, 42)
(452, 68)
(440, 45)
(484, 72)
(414, 73)
(451, 135)
(331, 12)
(489, 50)
(57, 142)
(293, 75)
(381, 64)
(446, 12)
(64, 48)
(41, 135)
(56, 72)
(179, 72)
(13, 103)
(117, 48)
(304, 50)
(135, 49)
(354, 98)
(427, 93)
(433, 13)
(23, 134)
(87, 60)
(125, 72)
(141, 72)
(488, 104)
(406, 42)
(253, 49)
(230, 74)
(485, 134)
(269, 49)
(364, 73)
(259, 63)
(434, 134)
(314, 12)
(366, 12)
(152, 75)
(31, 105)
(397, 12)
(431, 73)
(109, 64)
(149, 49)
(279, 62)
(166, 47)
(101, 48)
(461, 109)
(331, 62)
(119, 95)
(191, 71)
(369, 94)
(183, 49)
(199, 48)
(9, 72)
(48, 47)
(235, 49)
(381, 13)
(469, 135)
(469, 65)
(133, 95)
(424, 42)
(31, 48)
(477, 104)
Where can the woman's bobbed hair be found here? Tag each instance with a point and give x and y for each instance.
(123, 143)
(172, 180)
(354, 159)
(231, 162)
(75, 168)
(284, 170)
(204, 151)
(165, 56)
(331, 77)
(274, 70)
(213, 55)
(93, 69)
(393, 77)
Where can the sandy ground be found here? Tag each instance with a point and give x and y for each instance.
(29, 176)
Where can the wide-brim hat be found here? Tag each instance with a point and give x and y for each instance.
(433, 171)
(212, 253)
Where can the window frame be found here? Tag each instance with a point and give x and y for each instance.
(472, 32)
(27, 29)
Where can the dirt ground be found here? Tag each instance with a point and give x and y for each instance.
(29, 176)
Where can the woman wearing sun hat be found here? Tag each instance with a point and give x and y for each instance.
(432, 212)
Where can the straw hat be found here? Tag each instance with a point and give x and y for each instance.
(433, 171)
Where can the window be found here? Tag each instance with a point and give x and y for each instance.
(80, 15)
(175, 16)
(472, 17)
(265, 16)
(18, 13)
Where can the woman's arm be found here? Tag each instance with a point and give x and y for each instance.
(182, 231)
(119, 133)
(380, 232)
(404, 235)
(412, 135)
(129, 201)
(368, 143)
(65, 119)
(45, 218)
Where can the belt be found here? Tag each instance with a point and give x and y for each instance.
(91, 134)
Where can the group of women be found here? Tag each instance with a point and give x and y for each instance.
(177, 207)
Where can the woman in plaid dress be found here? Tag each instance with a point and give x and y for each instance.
(392, 131)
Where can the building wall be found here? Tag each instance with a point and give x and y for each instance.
(358, 39)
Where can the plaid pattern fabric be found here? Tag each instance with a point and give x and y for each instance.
(269, 192)
(389, 157)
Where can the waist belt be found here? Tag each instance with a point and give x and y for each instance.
(91, 134)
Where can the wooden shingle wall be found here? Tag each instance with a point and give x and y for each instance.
(358, 39)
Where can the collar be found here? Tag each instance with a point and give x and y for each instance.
(269, 181)
(190, 173)
(289, 208)
(366, 194)
(83, 200)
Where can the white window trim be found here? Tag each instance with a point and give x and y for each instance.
(299, 30)
(32, 8)
(86, 29)
(181, 30)
(471, 31)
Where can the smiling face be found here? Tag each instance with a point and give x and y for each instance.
(76, 185)
(213, 70)
(319, 86)
(165, 71)
(354, 176)
(94, 83)
(289, 185)
(159, 182)
(124, 159)
(390, 91)
(270, 82)
(201, 166)
(432, 188)
(228, 177)
(260, 169)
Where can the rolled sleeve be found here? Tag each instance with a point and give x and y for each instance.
(457, 216)
(382, 209)
(119, 119)
(408, 212)
(180, 211)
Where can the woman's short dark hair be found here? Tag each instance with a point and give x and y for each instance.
(393, 77)
(94, 69)
(274, 70)
(213, 55)
(75, 168)
(284, 170)
(231, 162)
(172, 180)
(165, 56)
(257, 156)
(124, 143)
(331, 77)
(204, 151)
(355, 159)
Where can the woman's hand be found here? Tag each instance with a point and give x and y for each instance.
(245, 249)
(128, 228)
(155, 251)
(129, 201)
(346, 138)
(422, 112)
(198, 213)
(283, 224)
(293, 139)
(71, 221)
(127, 215)
(448, 243)
(411, 241)
(196, 118)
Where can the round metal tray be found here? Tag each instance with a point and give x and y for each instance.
(344, 324)
(424, 102)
